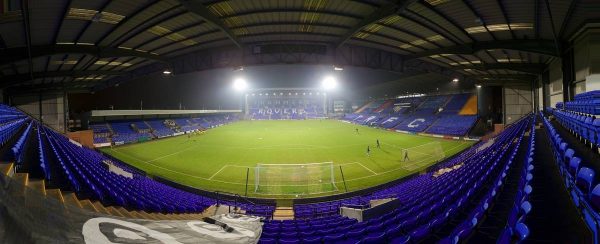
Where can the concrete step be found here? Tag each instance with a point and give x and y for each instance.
(71, 198)
(38, 185)
(115, 212)
(283, 213)
(124, 212)
(98, 205)
(86, 204)
(22, 178)
(55, 193)
(7, 169)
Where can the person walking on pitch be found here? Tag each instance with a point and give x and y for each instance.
(368, 151)
(405, 152)
(378, 145)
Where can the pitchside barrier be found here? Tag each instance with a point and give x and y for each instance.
(294, 179)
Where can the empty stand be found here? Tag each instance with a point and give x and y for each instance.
(441, 115)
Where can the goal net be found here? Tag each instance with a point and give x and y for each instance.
(294, 179)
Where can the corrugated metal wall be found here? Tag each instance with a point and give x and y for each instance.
(518, 102)
(53, 111)
(556, 78)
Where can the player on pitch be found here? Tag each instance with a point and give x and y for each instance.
(405, 152)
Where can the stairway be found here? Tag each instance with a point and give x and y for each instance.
(283, 213)
(71, 199)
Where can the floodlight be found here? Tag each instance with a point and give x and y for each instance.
(338, 68)
(455, 80)
(478, 86)
(167, 72)
(240, 84)
(329, 83)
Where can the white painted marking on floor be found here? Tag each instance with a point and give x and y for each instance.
(366, 168)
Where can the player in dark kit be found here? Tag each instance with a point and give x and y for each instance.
(405, 152)
(356, 130)
(378, 146)
(368, 151)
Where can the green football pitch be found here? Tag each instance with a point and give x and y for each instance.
(297, 158)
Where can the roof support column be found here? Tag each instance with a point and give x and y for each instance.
(568, 71)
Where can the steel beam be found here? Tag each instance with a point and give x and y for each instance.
(229, 57)
(530, 68)
(196, 7)
(382, 12)
(15, 54)
(545, 47)
(11, 80)
(505, 77)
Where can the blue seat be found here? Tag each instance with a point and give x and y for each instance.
(289, 241)
(333, 238)
(374, 239)
(568, 155)
(420, 233)
(521, 231)
(267, 241)
(584, 180)
(400, 240)
(312, 240)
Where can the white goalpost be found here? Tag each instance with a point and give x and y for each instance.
(294, 179)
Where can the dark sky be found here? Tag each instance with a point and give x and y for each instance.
(212, 89)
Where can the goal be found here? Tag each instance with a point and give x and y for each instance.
(294, 179)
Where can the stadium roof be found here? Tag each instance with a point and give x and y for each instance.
(85, 44)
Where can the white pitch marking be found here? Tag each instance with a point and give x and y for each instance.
(224, 166)
(366, 168)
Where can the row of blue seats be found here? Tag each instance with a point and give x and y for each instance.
(579, 180)
(44, 164)
(583, 126)
(19, 148)
(515, 230)
(515, 226)
(587, 102)
(9, 129)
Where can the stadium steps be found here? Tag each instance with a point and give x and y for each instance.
(114, 212)
(71, 198)
(283, 213)
(7, 168)
(56, 194)
(88, 205)
(100, 207)
(22, 177)
(96, 206)
(124, 212)
(38, 185)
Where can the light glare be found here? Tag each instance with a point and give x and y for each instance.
(329, 83)
(240, 84)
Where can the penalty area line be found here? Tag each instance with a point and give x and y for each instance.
(224, 166)
(373, 172)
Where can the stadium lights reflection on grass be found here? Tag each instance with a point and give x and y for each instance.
(239, 84)
(329, 83)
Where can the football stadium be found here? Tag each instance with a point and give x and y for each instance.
(299, 121)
